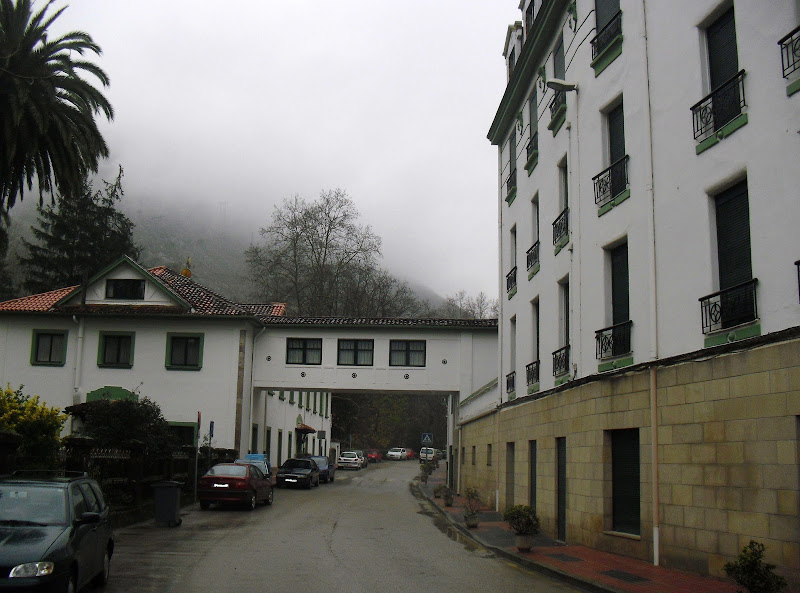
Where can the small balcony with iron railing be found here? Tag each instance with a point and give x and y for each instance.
(607, 44)
(532, 152)
(532, 376)
(558, 111)
(532, 260)
(511, 282)
(511, 186)
(561, 361)
(511, 382)
(720, 113)
(611, 186)
(790, 59)
(729, 308)
(561, 230)
(614, 341)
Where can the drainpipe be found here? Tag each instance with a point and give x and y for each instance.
(653, 305)
(500, 323)
(77, 394)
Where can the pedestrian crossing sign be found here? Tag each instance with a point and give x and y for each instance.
(427, 438)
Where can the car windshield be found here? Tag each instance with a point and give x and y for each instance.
(232, 471)
(396, 450)
(26, 504)
(297, 464)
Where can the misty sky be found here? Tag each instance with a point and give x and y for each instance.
(236, 105)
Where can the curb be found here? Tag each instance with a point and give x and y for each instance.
(549, 571)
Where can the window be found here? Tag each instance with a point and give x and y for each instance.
(616, 339)
(462, 455)
(473, 455)
(356, 352)
(49, 348)
(489, 455)
(609, 29)
(512, 60)
(561, 356)
(529, 14)
(407, 353)
(184, 351)
(625, 483)
(280, 447)
(125, 289)
(316, 399)
(559, 68)
(115, 350)
(303, 351)
(532, 474)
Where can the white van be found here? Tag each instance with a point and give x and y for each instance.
(427, 454)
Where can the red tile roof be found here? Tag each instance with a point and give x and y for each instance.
(37, 302)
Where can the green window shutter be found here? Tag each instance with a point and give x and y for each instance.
(733, 236)
(559, 69)
(616, 134)
(723, 59)
(620, 299)
(625, 481)
(605, 11)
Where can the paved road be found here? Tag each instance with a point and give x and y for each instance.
(365, 532)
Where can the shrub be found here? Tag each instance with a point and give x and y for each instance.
(522, 519)
(472, 500)
(751, 572)
(39, 424)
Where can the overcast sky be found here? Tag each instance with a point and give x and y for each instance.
(236, 105)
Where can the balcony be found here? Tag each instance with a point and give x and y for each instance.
(561, 229)
(511, 186)
(607, 35)
(790, 52)
(715, 116)
(532, 373)
(511, 382)
(613, 341)
(558, 111)
(561, 361)
(730, 307)
(611, 184)
(511, 281)
(532, 257)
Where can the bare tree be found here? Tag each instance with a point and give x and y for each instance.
(460, 305)
(316, 257)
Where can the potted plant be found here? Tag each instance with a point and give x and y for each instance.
(472, 503)
(523, 520)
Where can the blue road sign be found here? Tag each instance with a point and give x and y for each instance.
(427, 438)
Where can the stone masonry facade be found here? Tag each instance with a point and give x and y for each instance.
(728, 457)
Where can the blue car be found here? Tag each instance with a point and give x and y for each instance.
(327, 468)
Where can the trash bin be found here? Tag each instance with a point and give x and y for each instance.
(167, 502)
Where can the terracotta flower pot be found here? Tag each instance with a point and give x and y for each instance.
(471, 520)
(523, 541)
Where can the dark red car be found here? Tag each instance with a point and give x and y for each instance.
(374, 456)
(237, 483)
(411, 453)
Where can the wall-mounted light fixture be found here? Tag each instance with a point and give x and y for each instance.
(562, 85)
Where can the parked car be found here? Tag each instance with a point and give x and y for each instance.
(362, 456)
(411, 453)
(327, 469)
(236, 483)
(349, 459)
(397, 453)
(261, 462)
(427, 454)
(374, 456)
(295, 472)
(56, 532)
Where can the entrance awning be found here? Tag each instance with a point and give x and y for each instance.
(304, 429)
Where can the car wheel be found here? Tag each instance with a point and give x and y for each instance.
(270, 497)
(102, 577)
(309, 484)
(204, 505)
(251, 503)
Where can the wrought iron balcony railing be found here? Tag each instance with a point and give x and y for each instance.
(533, 145)
(611, 182)
(730, 307)
(511, 381)
(613, 341)
(532, 373)
(561, 226)
(561, 361)
(607, 34)
(559, 99)
(532, 257)
(511, 279)
(718, 108)
(511, 182)
(790, 52)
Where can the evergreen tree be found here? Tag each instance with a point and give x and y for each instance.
(77, 236)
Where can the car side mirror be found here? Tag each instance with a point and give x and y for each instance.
(89, 518)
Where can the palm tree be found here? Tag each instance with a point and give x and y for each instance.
(47, 125)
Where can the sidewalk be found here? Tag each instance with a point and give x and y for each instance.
(579, 565)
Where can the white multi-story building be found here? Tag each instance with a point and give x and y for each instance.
(649, 201)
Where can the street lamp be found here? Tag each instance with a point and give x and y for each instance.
(561, 85)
